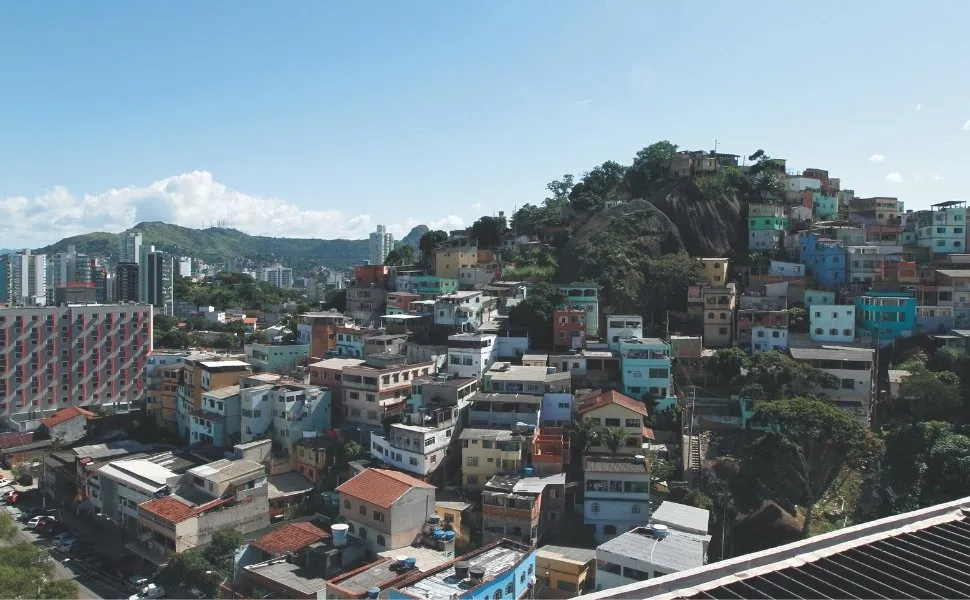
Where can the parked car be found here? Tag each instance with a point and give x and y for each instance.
(33, 521)
(52, 529)
(136, 582)
(44, 523)
(150, 591)
(5, 482)
(67, 543)
(13, 497)
(63, 536)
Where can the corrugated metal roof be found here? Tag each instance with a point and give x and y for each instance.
(849, 354)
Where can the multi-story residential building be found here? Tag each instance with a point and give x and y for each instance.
(864, 264)
(374, 275)
(200, 374)
(231, 493)
(274, 357)
(449, 260)
(617, 494)
(350, 340)
(935, 319)
(329, 373)
(477, 277)
(818, 297)
(877, 210)
(319, 330)
(506, 378)
(55, 357)
(832, 323)
(443, 389)
(400, 302)
(762, 323)
(310, 455)
(585, 295)
(126, 282)
(129, 248)
(218, 421)
(622, 327)
(460, 310)
(419, 445)
(854, 367)
(613, 410)
(276, 275)
(824, 259)
(719, 306)
(513, 507)
(366, 304)
(568, 328)
(426, 286)
(714, 271)
(824, 206)
(886, 315)
(299, 411)
(488, 452)
(767, 224)
(372, 392)
(256, 409)
(565, 571)
(470, 354)
(504, 410)
(942, 229)
(645, 364)
(385, 508)
(28, 279)
(155, 284)
(650, 551)
(118, 487)
(380, 245)
(163, 401)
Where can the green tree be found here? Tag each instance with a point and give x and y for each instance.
(766, 180)
(162, 323)
(778, 375)
(534, 314)
(932, 395)
(726, 364)
(528, 219)
(662, 469)
(810, 443)
(192, 568)
(488, 231)
(650, 169)
(582, 434)
(403, 255)
(221, 550)
(336, 300)
(175, 339)
(27, 571)
(614, 438)
(596, 186)
(925, 463)
(432, 239)
(666, 280)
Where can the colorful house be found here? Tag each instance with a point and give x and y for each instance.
(824, 259)
(585, 295)
(886, 315)
(645, 365)
(767, 225)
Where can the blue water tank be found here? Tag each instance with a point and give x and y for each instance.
(410, 562)
(449, 535)
(373, 592)
(528, 471)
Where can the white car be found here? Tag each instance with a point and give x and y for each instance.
(5, 482)
(149, 592)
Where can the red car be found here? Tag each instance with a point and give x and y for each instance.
(44, 523)
(12, 498)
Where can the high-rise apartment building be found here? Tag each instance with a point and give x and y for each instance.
(55, 357)
(183, 266)
(155, 283)
(129, 248)
(277, 275)
(126, 282)
(4, 280)
(381, 244)
(28, 279)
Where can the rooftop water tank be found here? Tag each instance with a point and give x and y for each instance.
(528, 471)
(373, 592)
(339, 533)
(410, 562)
(461, 569)
(660, 531)
(639, 459)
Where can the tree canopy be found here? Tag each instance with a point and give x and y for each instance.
(809, 443)
(650, 169)
(403, 255)
(27, 571)
(932, 395)
(926, 463)
(534, 314)
(204, 568)
(488, 231)
(777, 375)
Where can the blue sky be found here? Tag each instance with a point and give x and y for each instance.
(322, 119)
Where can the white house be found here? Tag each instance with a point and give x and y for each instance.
(419, 445)
(617, 497)
(620, 327)
(470, 354)
(832, 323)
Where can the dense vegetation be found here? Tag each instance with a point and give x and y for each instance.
(203, 568)
(26, 570)
(232, 290)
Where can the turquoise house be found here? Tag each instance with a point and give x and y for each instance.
(273, 357)
(431, 286)
(585, 295)
(350, 343)
(218, 422)
(886, 315)
(646, 369)
(824, 207)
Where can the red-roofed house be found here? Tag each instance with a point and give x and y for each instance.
(288, 539)
(615, 411)
(69, 424)
(386, 509)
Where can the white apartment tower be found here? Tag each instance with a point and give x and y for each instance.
(381, 244)
(28, 279)
(276, 275)
(129, 248)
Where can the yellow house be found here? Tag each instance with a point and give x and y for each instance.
(448, 261)
(564, 572)
(451, 513)
(714, 271)
(488, 452)
(611, 409)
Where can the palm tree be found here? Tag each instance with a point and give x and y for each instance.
(614, 438)
(583, 433)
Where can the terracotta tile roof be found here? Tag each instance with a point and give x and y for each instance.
(64, 415)
(381, 486)
(290, 538)
(607, 397)
(250, 320)
(168, 508)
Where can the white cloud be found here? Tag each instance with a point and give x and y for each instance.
(448, 223)
(192, 199)
(477, 206)
(894, 178)
(966, 126)
(917, 177)
(877, 158)
(919, 106)
(937, 178)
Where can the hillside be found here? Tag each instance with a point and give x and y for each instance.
(217, 245)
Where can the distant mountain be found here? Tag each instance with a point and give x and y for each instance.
(414, 237)
(5, 251)
(217, 245)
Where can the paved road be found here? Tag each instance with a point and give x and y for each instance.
(92, 583)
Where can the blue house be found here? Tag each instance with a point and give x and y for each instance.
(824, 259)
(886, 315)
(646, 365)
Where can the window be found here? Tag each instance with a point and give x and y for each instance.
(848, 384)
(775, 334)
(381, 541)
(378, 516)
(818, 331)
(847, 332)
(509, 588)
(363, 509)
(609, 530)
(594, 507)
(471, 461)
(612, 422)
(710, 316)
(833, 331)
(347, 504)
(633, 423)
(413, 461)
